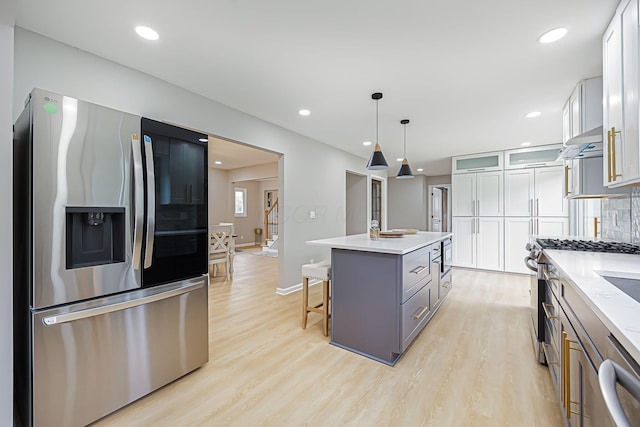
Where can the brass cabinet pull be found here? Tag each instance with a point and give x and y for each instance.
(566, 180)
(421, 313)
(609, 156)
(418, 269)
(595, 226)
(546, 312)
(614, 172)
(566, 377)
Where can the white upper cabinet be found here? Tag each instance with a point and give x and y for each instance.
(477, 163)
(620, 97)
(583, 110)
(477, 194)
(489, 194)
(549, 192)
(518, 192)
(463, 195)
(532, 157)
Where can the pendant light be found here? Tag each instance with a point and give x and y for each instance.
(405, 169)
(377, 160)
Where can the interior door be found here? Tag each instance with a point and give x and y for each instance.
(436, 210)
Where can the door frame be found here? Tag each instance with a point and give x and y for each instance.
(430, 202)
(383, 197)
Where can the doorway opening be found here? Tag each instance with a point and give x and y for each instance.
(440, 208)
(355, 203)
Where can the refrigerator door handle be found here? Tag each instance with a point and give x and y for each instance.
(138, 193)
(105, 309)
(151, 201)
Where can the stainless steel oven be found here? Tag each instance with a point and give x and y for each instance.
(535, 261)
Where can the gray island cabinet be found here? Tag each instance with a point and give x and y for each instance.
(383, 292)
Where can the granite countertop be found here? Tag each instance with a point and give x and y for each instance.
(619, 312)
(394, 245)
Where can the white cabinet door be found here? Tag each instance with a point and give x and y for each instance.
(517, 233)
(490, 243)
(549, 192)
(566, 123)
(464, 241)
(518, 192)
(574, 105)
(489, 193)
(627, 148)
(552, 226)
(463, 189)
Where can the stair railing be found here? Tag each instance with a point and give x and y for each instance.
(271, 221)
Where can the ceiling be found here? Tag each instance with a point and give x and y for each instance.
(464, 73)
(232, 155)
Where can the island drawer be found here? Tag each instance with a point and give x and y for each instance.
(415, 314)
(416, 267)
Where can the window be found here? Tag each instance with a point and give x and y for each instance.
(240, 202)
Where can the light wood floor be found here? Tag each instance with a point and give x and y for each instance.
(472, 365)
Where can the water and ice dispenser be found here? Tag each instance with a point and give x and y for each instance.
(95, 236)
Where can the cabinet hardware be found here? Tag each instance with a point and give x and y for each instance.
(478, 219)
(544, 349)
(595, 226)
(534, 165)
(419, 269)
(566, 180)
(566, 364)
(473, 207)
(614, 171)
(609, 156)
(478, 207)
(530, 206)
(537, 207)
(421, 313)
(546, 312)
(476, 169)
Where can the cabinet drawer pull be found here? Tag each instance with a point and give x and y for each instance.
(421, 313)
(419, 269)
(546, 312)
(614, 167)
(544, 349)
(566, 362)
(566, 181)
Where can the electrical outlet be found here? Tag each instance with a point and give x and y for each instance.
(312, 214)
(241, 237)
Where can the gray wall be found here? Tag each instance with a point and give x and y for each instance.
(407, 203)
(45, 63)
(7, 16)
(356, 203)
(438, 180)
(219, 197)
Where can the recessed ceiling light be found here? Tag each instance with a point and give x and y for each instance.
(147, 33)
(304, 112)
(366, 143)
(420, 169)
(533, 114)
(399, 159)
(204, 140)
(218, 162)
(552, 35)
(525, 144)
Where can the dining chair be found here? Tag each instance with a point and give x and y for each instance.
(220, 248)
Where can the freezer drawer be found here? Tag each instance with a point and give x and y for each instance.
(90, 359)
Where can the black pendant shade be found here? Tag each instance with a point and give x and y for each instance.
(405, 170)
(377, 160)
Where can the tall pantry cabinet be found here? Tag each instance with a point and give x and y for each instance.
(478, 210)
(496, 209)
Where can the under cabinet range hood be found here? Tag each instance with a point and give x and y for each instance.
(583, 180)
(587, 144)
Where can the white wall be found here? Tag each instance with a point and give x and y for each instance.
(356, 203)
(7, 16)
(311, 174)
(220, 209)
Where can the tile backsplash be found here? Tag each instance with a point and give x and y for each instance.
(621, 218)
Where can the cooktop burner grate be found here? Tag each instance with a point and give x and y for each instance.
(588, 246)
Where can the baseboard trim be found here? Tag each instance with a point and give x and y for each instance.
(246, 244)
(295, 288)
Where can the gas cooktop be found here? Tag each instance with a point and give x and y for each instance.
(588, 246)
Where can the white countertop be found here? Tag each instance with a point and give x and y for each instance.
(389, 245)
(619, 312)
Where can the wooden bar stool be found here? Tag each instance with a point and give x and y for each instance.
(319, 271)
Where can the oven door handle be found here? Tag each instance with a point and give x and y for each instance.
(609, 374)
(528, 264)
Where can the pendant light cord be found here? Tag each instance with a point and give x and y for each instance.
(376, 121)
(405, 140)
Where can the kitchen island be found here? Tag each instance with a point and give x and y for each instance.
(383, 292)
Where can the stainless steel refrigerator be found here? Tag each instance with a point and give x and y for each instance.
(110, 258)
